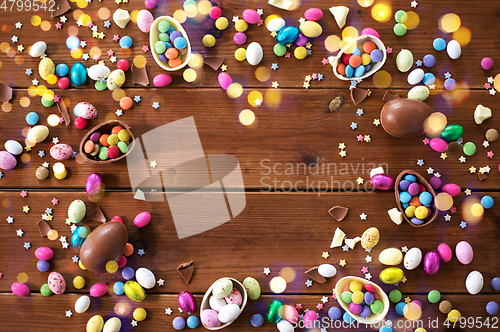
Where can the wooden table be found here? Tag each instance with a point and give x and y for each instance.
(286, 221)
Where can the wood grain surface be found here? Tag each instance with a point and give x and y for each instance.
(290, 162)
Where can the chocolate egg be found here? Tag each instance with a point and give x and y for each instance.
(404, 118)
(105, 243)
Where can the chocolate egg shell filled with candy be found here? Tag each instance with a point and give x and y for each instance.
(404, 118)
(105, 243)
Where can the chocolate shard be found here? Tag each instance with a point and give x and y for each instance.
(314, 275)
(358, 95)
(213, 62)
(338, 212)
(482, 176)
(140, 75)
(60, 7)
(64, 112)
(96, 215)
(5, 93)
(43, 227)
(389, 96)
(186, 271)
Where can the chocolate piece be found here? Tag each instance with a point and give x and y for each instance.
(5, 93)
(60, 7)
(140, 75)
(105, 243)
(404, 118)
(96, 215)
(314, 275)
(338, 212)
(186, 271)
(389, 96)
(64, 112)
(336, 103)
(358, 95)
(482, 176)
(213, 62)
(43, 227)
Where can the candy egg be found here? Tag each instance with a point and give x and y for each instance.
(452, 132)
(391, 275)
(82, 304)
(452, 189)
(474, 282)
(38, 134)
(224, 80)
(7, 161)
(162, 80)
(251, 16)
(61, 151)
(413, 257)
(142, 219)
(215, 303)
(115, 79)
(275, 24)
(145, 20)
(76, 211)
(438, 144)
(38, 49)
(252, 287)
(273, 311)
(46, 67)
(78, 74)
(453, 49)
(310, 318)
(98, 290)
(285, 326)
(404, 118)
(390, 256)
(464, 252)
(287, 35)
(416, 76)
(404, 60)
(44, 253)
(254, 53)
(20, 289)
(234, 297)
(311, 29)
(444, 252)
(113, 324)
(145, 278)
(290, 314)
(222, 288)
(186, 301)
(13, 147)
(370, 238)
(95, 324)
(56, 282)
(228, 313)
(98, 72)
(313, 14)
(327, 270)
(431, 262)
(85, 110)
(420, 93)
(382, 182)
(94, 185)
(134, 291)
(210, 318)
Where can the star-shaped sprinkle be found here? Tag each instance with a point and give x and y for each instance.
(462, 159)
(467, 192)
(273, 34)
(426, 141)
(487, 168)
(63, 19)
(96, 57)
(19, 232)
(20, 48)
(492, 92)
(437, 175)
(133, 323)
(137, 99)
(430, 170)
(267, 271)
(107, 24)
(487, 86)
(403, 280)
(55, 201)
(447, 75)
(301, 20)
(287, 55)
(275, 84)
(368, 258)
(298, 306)
(407, 299)
(73, 228)
(29, 71)
(309, 283)
(490, 79)
(363, 216)
(79, 23)
(65, 245)
(19, 25)
(414, 4)
(482, 170)
(367, 138)
(69, 313)
(443, 155)
(314, 76)
(364, 270)
(354, 125)
(62, 239)
(342, 262)
(463, 224)
(10, 220)
(320, 77)
(472, 169)
(486, 144)
(345, 247)
(342, 146)
(223, 67)
(27, 245)
(35, 82)
(168, 311)
(404, 249)
(85, 56)
(343, 153)
(274, 66)
(306, 85)
(359, 112)
(116, 38)
(368, 276)
(153, 164)
(110, 53)
(453, 209)
(55, 140)
(325, 254)
(14, 39)
(324, 61)
(360, 138)
(140, 252)
(319, 306)
(420, 162)
(119, 112)
(235, 19)
(75, 259)
(389, 50)
(26, 209)
(418, 63)
(145, 48)
(490, 154)
(360, 180)
(41, 153)
(308, 78)
(24, 193)
(1, 175)
(447, 217)
(156, 105)
(258, 102)
(324, 299)
(161, 282)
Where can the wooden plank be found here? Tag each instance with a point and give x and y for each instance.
(279, 146)
(41, 314)
(292, 71)
(274, 230)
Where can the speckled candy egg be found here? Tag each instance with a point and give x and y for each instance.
(474, 282)
(413, 258)
(234, 297)
(76, 211)
(145, 278)
(61, 151)
(210, 318)
(56, 282)
(222, 288)
(464, 252)
(46, 67)
(228, 313)
(420, 93)
(370, 238)
(116, 79)
(114, 324)
(78, 74)
(13, 147)
(144, 20)
(7, 161)
(95, 324)
(253, 288)
(98, 72)
(85, 110)
(38, 134)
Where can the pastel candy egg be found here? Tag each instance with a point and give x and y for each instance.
(38, 49)
(134, 291)
(13, 147)
(327, 270)
(76, 211)
(234, 297)
(82, 304)
(290, 314)
(474, 282)
(254, 53)
(142, 219)
(419, 92)
(115, 79)
(390, 256)
(215, 303)
(222, 288)
(20, 289)
(453, 49)
(287, 35)
(309, 319)
(61, 151)
(145, 278)
(144, 20)
(162, 80)
(251, 16)
(56, 282)
(7, 161)
(416, 76)
(310, 29)
(44, 253)
(313, 14)
(439, 144)
(451, 189)
(114, 324)
(78, 74)
(98, 72)
(38, 134)
(252, 287)
(444, 252)
(210, 318)
(285, 326)
(464, 252)
(275, 24)
(98, 290)
(152, 3)
(413, 258)
(95, 324)
(46, 67)
(186, 301)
